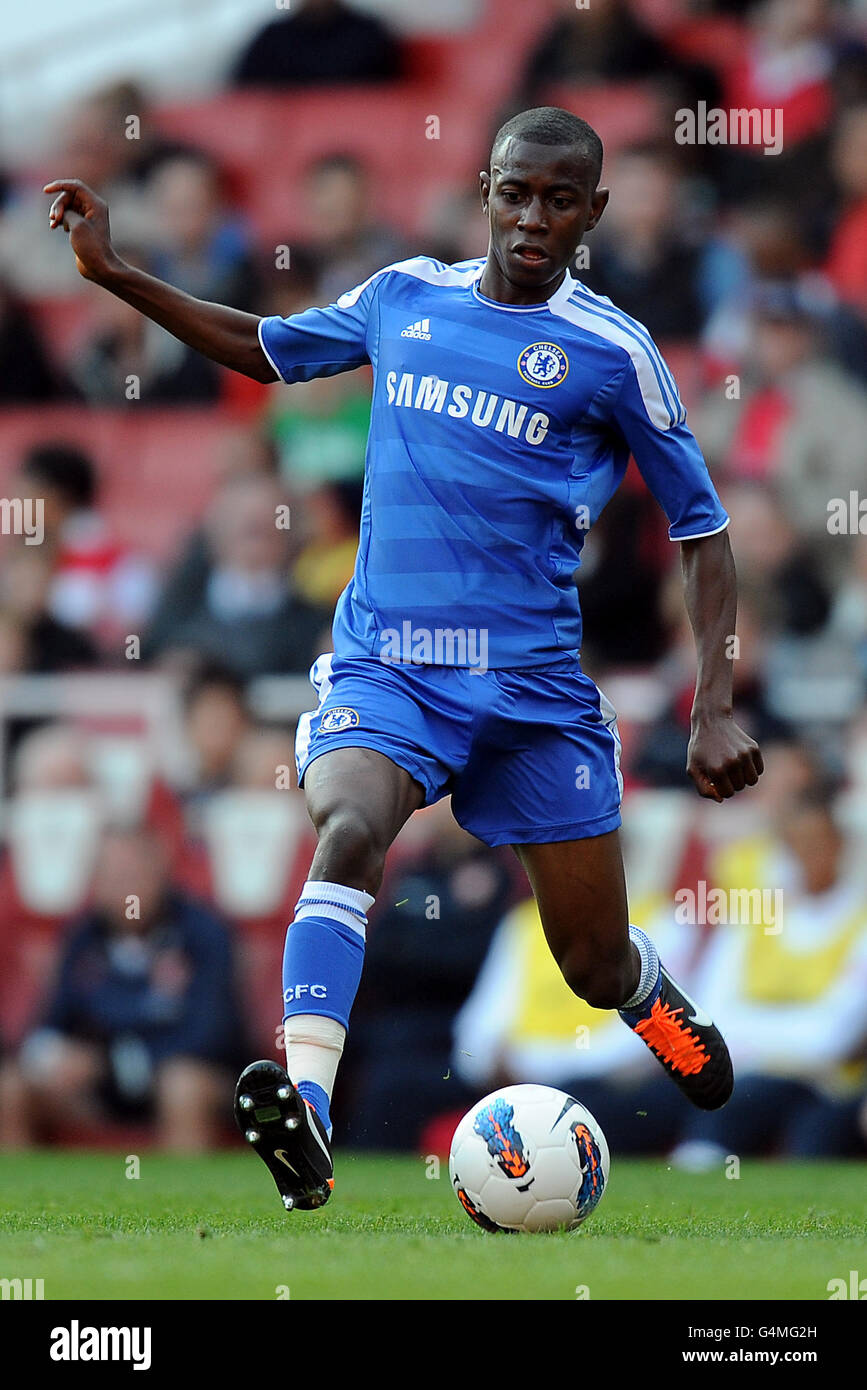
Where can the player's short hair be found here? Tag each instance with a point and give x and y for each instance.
(551, 125)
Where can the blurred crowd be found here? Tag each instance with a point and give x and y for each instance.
(140, 935)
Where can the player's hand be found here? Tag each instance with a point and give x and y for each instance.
(722, 759)
(84, 216)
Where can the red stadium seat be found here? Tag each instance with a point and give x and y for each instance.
(157, 468)
(385, 128)
(486, 62)
(623, 113)
(713, 39)
(162, 476)
(265, 140)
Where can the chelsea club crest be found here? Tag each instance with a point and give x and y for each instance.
(338, 718)
(543, 364)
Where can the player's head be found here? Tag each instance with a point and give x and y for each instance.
(542, 193)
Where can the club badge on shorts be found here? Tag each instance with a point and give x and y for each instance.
(339, 718)
(543, 364)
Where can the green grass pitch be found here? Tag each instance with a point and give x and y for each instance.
(212, 1228)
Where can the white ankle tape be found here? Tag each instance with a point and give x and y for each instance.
(314, 1046)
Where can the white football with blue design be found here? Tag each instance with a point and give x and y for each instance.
(529, 1158)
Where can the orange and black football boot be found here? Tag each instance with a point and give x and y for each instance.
(686, 1042)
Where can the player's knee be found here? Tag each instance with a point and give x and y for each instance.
(601, 983)
(350, 849)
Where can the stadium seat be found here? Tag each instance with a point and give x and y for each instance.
(169, 456)
(157, 468)
(52, 838)
(265, 140)
(121, 764)
(268, 143)
(252, 839)
(623, 113)
(712, 39)
(486, 62)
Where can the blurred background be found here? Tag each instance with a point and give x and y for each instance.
(154, 647)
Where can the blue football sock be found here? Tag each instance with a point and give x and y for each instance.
(322, 962)
(318, 1098)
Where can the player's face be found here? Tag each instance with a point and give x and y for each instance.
(540, 200)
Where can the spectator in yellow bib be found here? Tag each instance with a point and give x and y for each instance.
(791, 990)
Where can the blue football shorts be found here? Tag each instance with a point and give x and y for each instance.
(528, 756)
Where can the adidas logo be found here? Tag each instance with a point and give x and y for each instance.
(419, 329)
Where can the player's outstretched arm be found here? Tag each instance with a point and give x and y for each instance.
(227, 336)
(722, 759)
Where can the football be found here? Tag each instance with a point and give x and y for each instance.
(528, 1158)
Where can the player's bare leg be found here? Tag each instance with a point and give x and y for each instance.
(581, 892)
(358, 800)
(580, 888)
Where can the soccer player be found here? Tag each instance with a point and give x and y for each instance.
(507, 400)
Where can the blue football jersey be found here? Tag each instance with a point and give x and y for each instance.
(498, 433)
